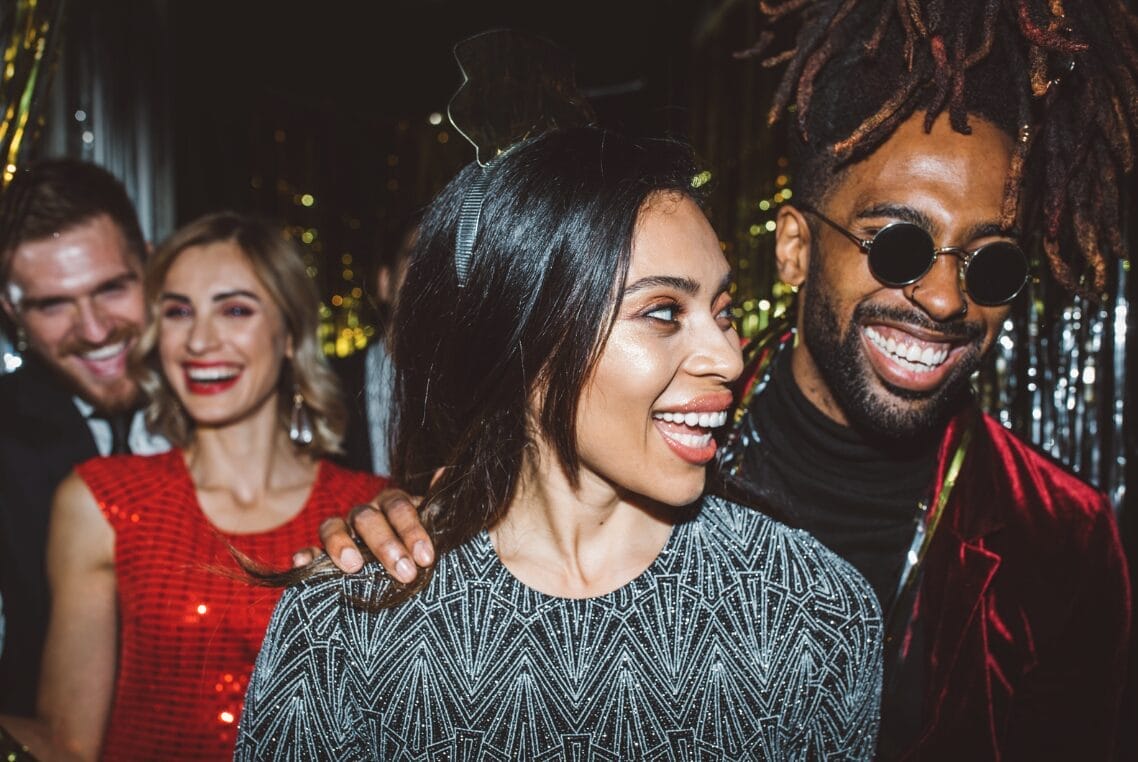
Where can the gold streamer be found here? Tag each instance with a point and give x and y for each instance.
(27, 32)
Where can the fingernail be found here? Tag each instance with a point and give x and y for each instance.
(422, 553)
(351, 559)
(405, 570)
(299, 559)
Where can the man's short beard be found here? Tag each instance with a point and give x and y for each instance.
(128, 393)
(123, 403)
(840, 358)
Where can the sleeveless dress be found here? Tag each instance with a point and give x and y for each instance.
(190, 623)
(743, 639)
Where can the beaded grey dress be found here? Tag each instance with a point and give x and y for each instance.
(744, 639)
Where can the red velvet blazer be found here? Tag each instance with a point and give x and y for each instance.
(1025, 606)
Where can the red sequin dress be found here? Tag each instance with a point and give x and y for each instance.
(189, 634)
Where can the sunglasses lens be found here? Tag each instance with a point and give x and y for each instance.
(900, 254)
(996, 273)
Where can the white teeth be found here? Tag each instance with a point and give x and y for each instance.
(211, 374)
(701, 420)
(910, 356)
(104, 353)
(690, 440)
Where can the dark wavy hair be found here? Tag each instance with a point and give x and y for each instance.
(547, 274)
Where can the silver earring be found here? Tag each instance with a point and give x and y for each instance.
(21, 340)
(300, 427)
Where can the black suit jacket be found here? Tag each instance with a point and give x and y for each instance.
(42, 437)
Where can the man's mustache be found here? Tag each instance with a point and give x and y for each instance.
(957, 328)
(81, 346)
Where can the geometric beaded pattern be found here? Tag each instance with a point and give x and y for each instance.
(744, 639)
(190, 626)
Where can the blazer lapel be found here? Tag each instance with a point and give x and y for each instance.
(958, 572)
(48, 419)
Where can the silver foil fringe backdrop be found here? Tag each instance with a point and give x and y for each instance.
(1058, 379)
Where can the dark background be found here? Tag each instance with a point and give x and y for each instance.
(332, 99)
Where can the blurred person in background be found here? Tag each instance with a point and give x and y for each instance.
(71, 259)
(235, 379)
(368, 377)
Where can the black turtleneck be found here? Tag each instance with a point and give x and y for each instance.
(859, 497)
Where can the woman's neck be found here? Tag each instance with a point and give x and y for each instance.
(577, 541)
(247, 474)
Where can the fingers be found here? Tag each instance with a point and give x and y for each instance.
(388, 526)
(374, 531)
(339, 545)
(305, 556)
(403, 516)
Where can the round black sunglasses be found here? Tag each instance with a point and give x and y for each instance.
(901, 253)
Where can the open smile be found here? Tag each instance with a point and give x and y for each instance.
(107, 361)
(687, 430)
(909, 360)
(210, 378)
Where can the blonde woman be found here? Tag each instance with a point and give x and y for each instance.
(237, 383)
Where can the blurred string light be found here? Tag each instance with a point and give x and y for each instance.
(754, 314)
(330, 241)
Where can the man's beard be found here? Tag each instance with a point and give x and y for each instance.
(840, 357)
(109, 399)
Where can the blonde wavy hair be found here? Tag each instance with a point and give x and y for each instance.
(278, 265)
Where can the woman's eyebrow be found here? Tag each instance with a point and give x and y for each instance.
(725, 284)
(687, 285)
(220, 297)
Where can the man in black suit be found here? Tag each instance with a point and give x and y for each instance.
(71, 254)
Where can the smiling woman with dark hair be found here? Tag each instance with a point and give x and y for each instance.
(556, 402)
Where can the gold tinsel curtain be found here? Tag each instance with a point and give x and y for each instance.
(28, 31)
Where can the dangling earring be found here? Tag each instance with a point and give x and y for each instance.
(300, 427)
(21, 340)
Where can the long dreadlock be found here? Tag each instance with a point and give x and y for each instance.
(1062, 85)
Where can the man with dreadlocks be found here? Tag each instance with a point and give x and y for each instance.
(932, 142)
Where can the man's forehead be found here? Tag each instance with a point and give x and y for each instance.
(950, 178)
(70, 263)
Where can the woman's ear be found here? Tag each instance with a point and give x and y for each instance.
(792, 245)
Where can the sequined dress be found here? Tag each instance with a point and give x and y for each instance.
(189, 634)
(742, 640)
